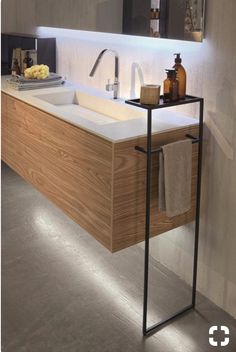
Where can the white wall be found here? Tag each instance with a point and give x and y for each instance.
(211, 74)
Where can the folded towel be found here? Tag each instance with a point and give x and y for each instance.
(30, 87)
(161, 184)
(175, 175)
(21, 83)
(22, 80)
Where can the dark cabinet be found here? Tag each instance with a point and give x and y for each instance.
(46, 49)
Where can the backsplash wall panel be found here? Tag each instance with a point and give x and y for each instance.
(151, 58)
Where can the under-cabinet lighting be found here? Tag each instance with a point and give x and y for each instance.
(155, 43)
(72, 247)
(52, 235)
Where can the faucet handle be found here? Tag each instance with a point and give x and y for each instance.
(109, 86)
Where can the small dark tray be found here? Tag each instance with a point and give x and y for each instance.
(187, 100)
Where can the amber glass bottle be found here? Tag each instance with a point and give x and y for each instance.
(171, 86)
(181, 76)
(166, 87)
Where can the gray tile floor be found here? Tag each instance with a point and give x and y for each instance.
(62, 291)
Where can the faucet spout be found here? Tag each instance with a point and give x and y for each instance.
(115, 86)
(95, 66)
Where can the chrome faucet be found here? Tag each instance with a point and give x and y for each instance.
(109, 87)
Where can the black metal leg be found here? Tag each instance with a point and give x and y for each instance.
(147, 223)
(154, 328)
(194, 285)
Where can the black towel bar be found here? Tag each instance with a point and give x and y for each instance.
(158, 150)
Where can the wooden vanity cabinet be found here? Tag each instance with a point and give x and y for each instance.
(99, 184)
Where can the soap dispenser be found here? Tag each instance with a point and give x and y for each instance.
(181, 76)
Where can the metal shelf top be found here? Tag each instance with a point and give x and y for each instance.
(187, 100)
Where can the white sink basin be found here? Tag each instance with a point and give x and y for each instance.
(91, 107)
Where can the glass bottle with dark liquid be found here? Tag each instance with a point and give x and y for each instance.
(28, 61)
(171, 86)
(181, 76)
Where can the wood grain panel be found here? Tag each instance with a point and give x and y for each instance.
(3, 120)
(70, 166)
(98, 184)
(3, 105)
(129, 190)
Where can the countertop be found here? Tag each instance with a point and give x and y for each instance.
(115, 132)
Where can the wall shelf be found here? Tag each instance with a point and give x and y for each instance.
(162, 104)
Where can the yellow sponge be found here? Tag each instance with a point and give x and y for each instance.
(37, 72)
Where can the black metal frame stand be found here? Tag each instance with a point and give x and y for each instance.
(149, 151)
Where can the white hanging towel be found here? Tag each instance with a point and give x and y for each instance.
(175, 176)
